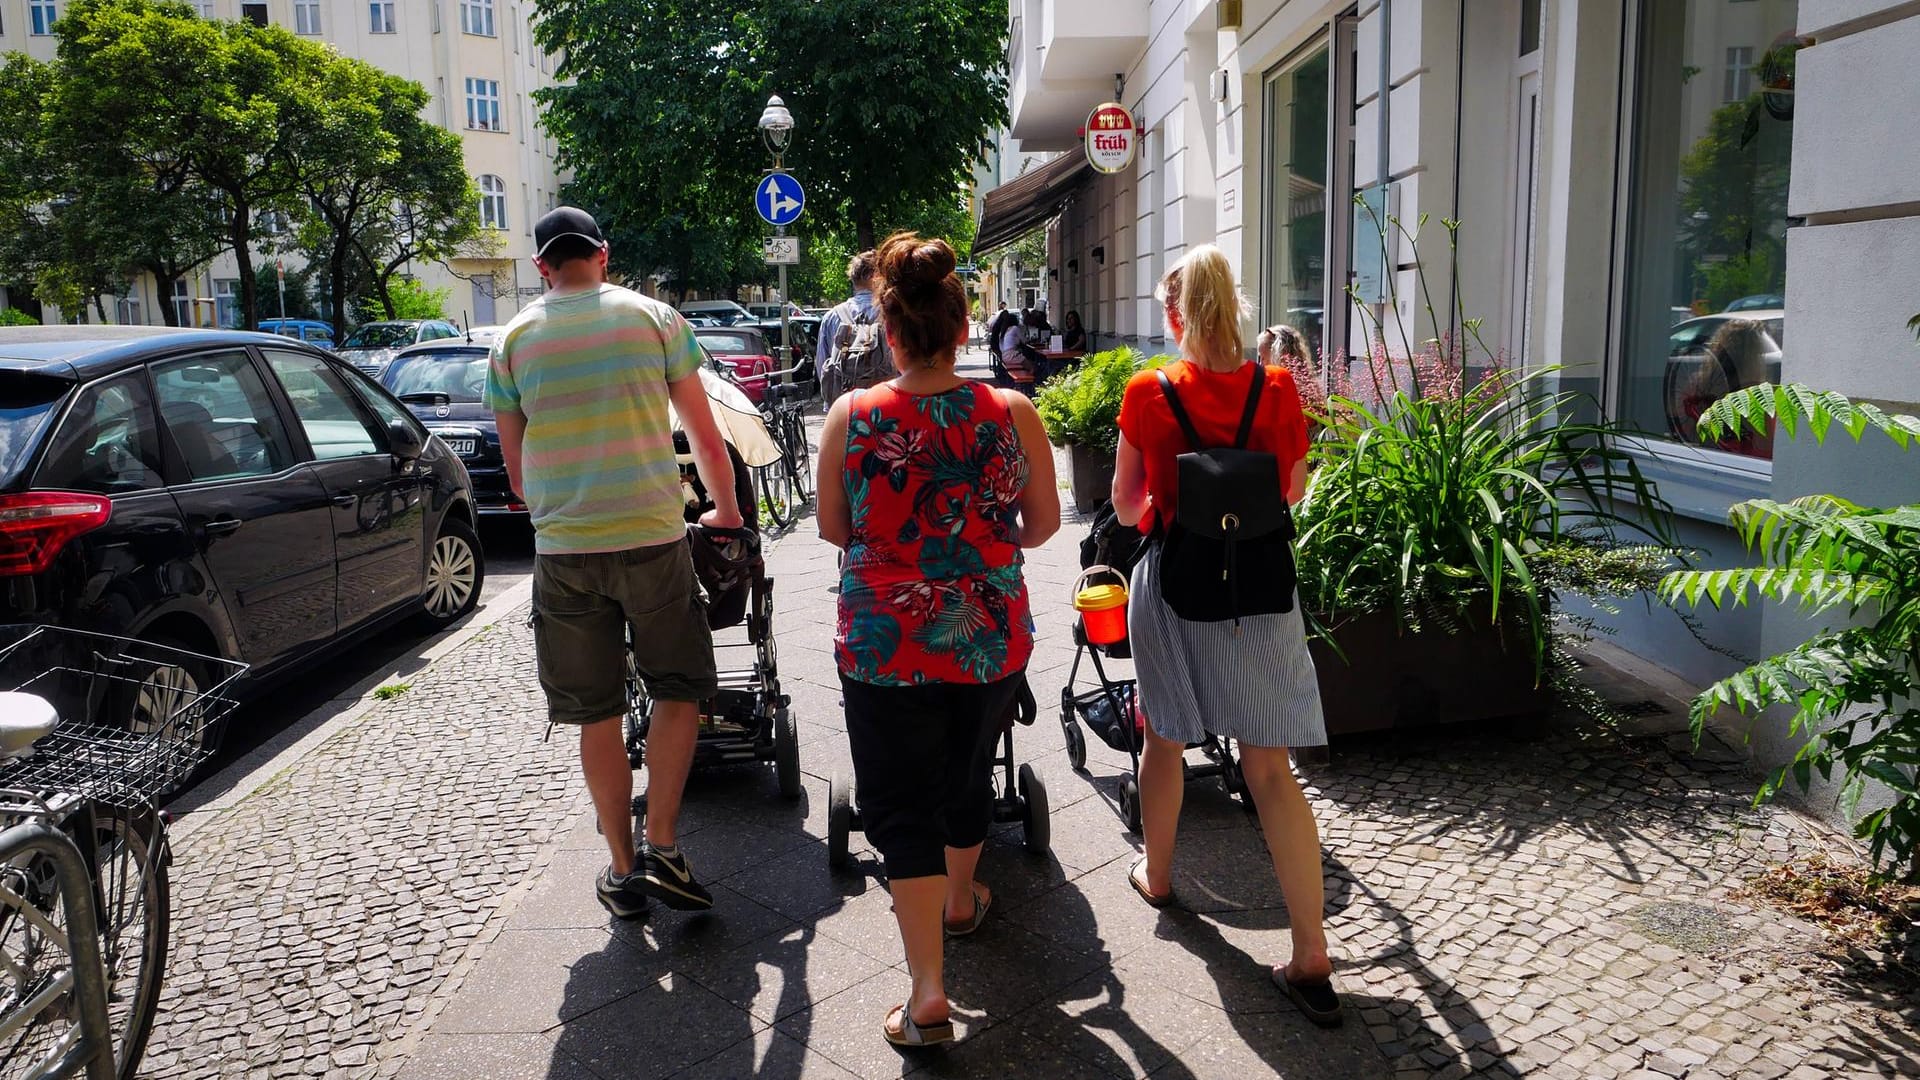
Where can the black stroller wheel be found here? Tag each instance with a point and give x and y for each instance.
(1033, 808)
(786, 753)
(839, 823)
(1076, 742)
(1130, 804)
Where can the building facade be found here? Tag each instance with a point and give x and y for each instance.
(476, 58)
(1658, 196)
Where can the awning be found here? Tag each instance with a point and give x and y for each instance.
(1018, 205)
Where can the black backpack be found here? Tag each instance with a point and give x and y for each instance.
(1109, 543)
(1228, 552)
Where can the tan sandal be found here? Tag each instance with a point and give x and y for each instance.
(968, 926)
(913, 1035)
(1137, 877)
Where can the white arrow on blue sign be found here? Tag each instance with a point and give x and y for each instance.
(780, 199)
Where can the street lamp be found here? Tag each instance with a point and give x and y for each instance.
(776, 129)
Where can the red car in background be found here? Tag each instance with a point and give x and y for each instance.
(743, 352)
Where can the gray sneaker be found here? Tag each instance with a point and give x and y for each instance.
(621, 893)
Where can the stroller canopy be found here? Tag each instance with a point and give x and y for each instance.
(740, 421)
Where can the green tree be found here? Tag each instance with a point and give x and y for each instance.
(657, 114)
(408, 298)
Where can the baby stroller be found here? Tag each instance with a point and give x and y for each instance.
(1018, 795)
(1111, 710)
(747, 721)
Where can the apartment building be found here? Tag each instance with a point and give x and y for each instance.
(478, 61)
(1631, 177)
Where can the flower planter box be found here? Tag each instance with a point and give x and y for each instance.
(1091, 473)
(1389, 679)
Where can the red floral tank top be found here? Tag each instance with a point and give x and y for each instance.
(932, 590)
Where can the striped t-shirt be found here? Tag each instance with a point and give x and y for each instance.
(589, 370)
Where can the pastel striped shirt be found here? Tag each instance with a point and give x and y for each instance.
(589, 370)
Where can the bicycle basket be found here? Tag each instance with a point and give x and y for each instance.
(135, 717)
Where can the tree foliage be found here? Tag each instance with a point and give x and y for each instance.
(1854, 688)
(657, 112)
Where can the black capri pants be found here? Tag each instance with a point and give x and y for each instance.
(923, 760)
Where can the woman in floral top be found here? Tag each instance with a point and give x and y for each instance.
(932, 484)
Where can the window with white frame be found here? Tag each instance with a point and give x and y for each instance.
(182, 302)
(306, 17)
(41, 15)
(380, 16)
(483, 105)
(1739, 80)
(476, 17)
(126, 308)
(226, 301)
(206, 8)
(493, 202)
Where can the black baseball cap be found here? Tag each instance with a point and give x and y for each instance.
(565, 221)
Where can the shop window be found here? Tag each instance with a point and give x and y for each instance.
(1706, 256)
(1295, 281)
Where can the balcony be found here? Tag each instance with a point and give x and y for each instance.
(1062, 57)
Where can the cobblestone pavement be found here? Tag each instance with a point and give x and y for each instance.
(312, 921)
(1544, 900)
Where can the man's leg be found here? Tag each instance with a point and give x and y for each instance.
(603, 758)
(670, 744)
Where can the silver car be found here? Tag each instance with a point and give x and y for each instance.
(372, 346)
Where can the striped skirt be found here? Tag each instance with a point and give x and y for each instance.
(1257, 686)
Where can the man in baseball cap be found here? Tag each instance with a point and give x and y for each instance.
(580, 382)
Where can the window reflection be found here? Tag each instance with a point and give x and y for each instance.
(1706, 270)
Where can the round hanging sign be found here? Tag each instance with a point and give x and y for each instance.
(1111, 138)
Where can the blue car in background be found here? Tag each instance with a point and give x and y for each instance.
(311, 331)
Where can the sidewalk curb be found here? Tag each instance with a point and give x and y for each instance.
(240, 780)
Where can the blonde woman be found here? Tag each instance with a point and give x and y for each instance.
(1250, 680)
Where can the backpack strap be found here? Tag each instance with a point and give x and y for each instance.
(1253, 407)
(1185, 421)
(1179, 411)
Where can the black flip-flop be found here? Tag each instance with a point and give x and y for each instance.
(912, 1035)
(1315, 998)
(1133, 879)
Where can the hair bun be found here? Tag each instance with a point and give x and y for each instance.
(914, 265)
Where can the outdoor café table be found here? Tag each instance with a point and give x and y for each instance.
(1058, 357)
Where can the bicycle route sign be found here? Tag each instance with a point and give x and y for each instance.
(782, 250)
(779, 199)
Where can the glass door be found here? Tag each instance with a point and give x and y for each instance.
(1297, 190)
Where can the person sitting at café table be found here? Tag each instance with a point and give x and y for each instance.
(1074, 337)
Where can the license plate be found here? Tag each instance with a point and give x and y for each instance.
(463, 447)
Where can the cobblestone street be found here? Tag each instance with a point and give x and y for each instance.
(415, 900)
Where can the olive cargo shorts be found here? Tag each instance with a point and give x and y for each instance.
(584, 606)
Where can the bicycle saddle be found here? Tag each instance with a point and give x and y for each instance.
(24, 720)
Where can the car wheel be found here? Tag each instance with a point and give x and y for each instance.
(162, 699)
(455, 571)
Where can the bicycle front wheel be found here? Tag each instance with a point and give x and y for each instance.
(133, 918)
(799, 454)
(774, 486)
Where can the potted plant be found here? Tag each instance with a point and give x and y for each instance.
(1081, 411)
(1445, 509)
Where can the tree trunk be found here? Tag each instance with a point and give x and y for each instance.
(100, 307)
(863, 225)
(238, 238)
(164, 284)
(337, 276)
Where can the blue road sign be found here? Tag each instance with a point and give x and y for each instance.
(780, 199)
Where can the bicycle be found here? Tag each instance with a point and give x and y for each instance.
(94, 729)
(787, 484)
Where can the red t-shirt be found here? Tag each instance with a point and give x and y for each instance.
(1215, 401)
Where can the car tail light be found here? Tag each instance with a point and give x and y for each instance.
(34, 526)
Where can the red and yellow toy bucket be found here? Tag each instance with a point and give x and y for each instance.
(1102, 608)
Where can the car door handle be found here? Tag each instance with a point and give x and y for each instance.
(344, 500)
(222, 527)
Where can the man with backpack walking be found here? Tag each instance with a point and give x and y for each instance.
(853, 344)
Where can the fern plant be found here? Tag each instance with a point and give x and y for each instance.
(1081, 407)
(1855, 689)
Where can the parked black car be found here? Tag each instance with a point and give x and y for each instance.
(241, 495)
(443, 383)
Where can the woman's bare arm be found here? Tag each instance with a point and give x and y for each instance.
(832, 513)
(1040, 500)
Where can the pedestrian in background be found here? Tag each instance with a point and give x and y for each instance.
(1251, 680)
(580, 382)
(853, 343)
(933, 484)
